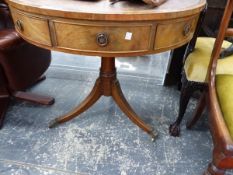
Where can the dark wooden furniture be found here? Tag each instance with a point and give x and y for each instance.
(188, 87)
(196, 61)
(107, 30)
(21, 65)
(209, 28)
(220, 104)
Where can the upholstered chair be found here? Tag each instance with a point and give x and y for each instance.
(196, 62)
(220, 98)
(21, 65)
(209, 28)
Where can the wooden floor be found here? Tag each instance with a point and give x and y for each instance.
(102, 140)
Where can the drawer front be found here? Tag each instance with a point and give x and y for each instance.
(102, 38)
(32, 28)
(174, 33)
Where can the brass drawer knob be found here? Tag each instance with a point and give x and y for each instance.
(187, 29)
(102, 39)
(19, 25)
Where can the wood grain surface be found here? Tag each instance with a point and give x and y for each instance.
(130, 29)
(103, 10)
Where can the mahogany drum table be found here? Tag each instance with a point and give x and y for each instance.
(107, 30)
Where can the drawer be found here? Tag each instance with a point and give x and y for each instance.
(101, 37)
(31, 27)
(173, 33)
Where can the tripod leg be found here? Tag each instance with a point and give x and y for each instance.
(126, 108)
(87, 103)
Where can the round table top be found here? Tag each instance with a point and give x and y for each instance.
(104, 10)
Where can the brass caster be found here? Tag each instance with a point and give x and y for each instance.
(53, 123)
(154, 135)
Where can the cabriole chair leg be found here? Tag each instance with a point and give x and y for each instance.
(198, 111)
(186, 93)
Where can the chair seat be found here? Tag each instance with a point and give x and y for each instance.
(224, 87)
(197, 62)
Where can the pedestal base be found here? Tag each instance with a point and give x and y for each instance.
(107, 85)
